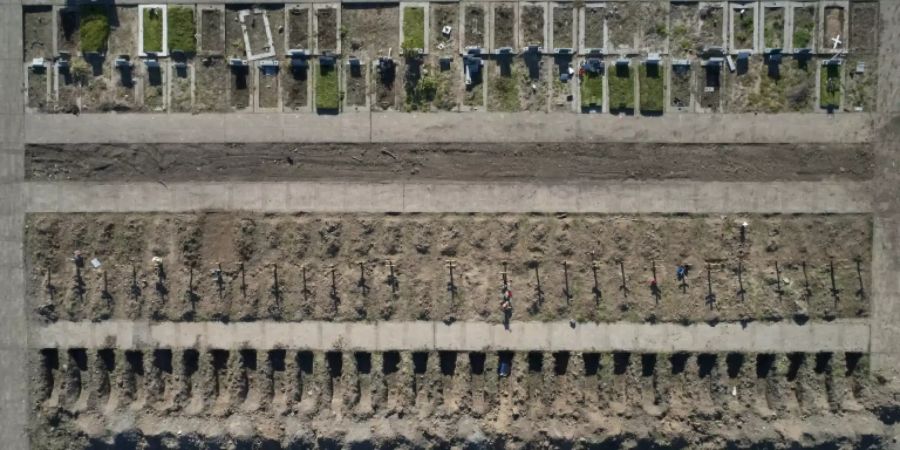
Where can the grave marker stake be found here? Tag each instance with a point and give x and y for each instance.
(334, 292)
(623, 287)
(710, 297)
(807, 290)
(451, 286)
(220, 282)
(364, 289)
(392, 278)
(778, 288)
(654, 286)
(596, 289)
(105, 292)
(566, 291)
(861, 292)
(741, 291)
(834, 289)
(539, 290)
(243, 281)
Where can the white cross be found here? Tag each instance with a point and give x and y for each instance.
(837, 42)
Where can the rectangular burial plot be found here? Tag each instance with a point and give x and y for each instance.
(269, 91)
(743, 26)
(519, 85)
(504, 25)
(834, 26)
(593, 31)
(803, 33)
(413, 39)
(861, 86)
(684, 30)
(89, 69)
(371, 31)
(257, 28)
(212, 80)
(68, 33)
(153, 29)
(356, 88)
(474, 93)
(234, 34)
(38, 32)
(434, 89)
(792, 90)
(153, 88)
(122, 42)
(774, 27)
(532, 25)
(563, 28)
(654, 29)
(742, 85)
(864, 28)
(831, 86)
(93, 28)
(561, 95)
(620, 79)
(326, 28)
(180, 95)
(328, 88)
(623, 25)
(591, 90)
(182, 29)
(212, 31)
(240, 87)
(712, 26)
(444, 15)
(710, 82)
(38, 80)
(474, 26)
(295, 87)
(651, 80)
(299, 24)
(680, 85)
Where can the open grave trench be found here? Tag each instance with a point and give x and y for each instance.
(231, 267)
(84, 391)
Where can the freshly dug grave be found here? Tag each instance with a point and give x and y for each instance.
(569, 162)
(296, 267)
(276, 398)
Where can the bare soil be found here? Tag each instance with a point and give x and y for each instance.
(680, 87)
(861, 88)
(180, 91)
(154, 89)
(277, 399)
(623, 21)
(68, 31)
(561, 94)
(327, 29)
(269, 93)
(38, 90)
(709, 88)
(357, 93)
(212, 41)
(371, 30)
(532, 23)
(654, 28)
(475, 26)
(444, 14)
(96, 95)
(563, 21)
(295, 89)
(212, 84)
(834, 25)
(234, 35)
(191, 246)
(864, 27)
(684, 28)
(38, 32)
(388, 91)
(298, 28)
(712, 26)
(741, 87)
(569, 162)
(743, 28)
(594, 18)
(504, 25)
(256, 32)
(534, 86)
(773, 30)
(240, 88)
(122, 42)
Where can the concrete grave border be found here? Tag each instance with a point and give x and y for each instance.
(669, 109)
(250, 55)
(492, 45)
(426, 22)
(733, 9)
(726, 23)
(462, 24)
(575, 44)
(582, 48)
(49, 72)
(792, 7)
(315, 27)
(288, 7)
(788, 24)
(825, 47)
(201, 9)
(545, 44)
(643, 49)
(165, 30)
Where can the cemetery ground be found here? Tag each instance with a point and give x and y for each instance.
(333, 267)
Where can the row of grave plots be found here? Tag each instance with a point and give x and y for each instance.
(414, 56)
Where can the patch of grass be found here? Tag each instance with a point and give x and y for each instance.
(652, 86)
(592, 90)
(94, 28)
(830, 87)
(505, 92)
(153, 30)
(743, 29)
(774, 31)
(792, 91)
(182, 29)
(621, 89)
(804, 25)
(328, 93)
(413, 28)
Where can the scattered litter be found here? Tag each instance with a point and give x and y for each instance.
(734, 391)
(440, 46)
(447, 30)
(96, 263)
(157, 260)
